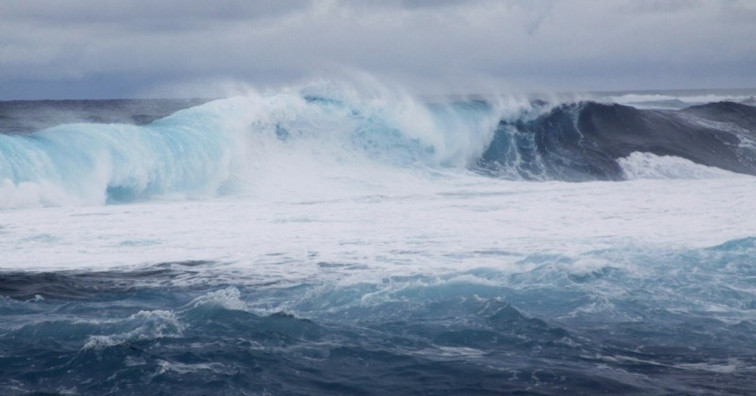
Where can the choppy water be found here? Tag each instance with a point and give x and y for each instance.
(335, 240)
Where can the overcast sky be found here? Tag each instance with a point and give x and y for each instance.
(138, 48)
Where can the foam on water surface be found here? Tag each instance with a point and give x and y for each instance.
(329, 240)
(435, 221)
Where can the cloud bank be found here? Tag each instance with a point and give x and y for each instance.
(97, 49)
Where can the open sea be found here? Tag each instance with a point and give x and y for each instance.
(347, 239)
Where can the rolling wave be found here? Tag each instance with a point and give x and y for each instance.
(236, 144)
(587, 140)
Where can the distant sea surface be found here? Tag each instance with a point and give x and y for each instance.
(342, 239)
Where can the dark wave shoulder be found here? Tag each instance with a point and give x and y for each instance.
(25, 116)
(583, 141)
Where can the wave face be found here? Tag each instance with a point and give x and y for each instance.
(586, 141)
(332, 239)
(325, 131)
(223, 145)
(189, 152)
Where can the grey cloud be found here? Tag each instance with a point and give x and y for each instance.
(451, 45)
(661, 6)
(136, 14)
(92, 10)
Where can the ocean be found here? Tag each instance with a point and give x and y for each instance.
(337, 238)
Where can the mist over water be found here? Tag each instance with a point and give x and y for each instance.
(229, 145)
(354, 239)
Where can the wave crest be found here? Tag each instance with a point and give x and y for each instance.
(327, 136)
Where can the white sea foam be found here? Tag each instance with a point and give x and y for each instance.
(650, 166)
(728, 367)
(320, 132)
(317, 199)
(142, 325)
(656, 100)
(229, 298)
(443, 219)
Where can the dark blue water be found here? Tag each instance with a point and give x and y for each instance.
(583, 141)
(646, 320)
(26, 116)
(546, 331)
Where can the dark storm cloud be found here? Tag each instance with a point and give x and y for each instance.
(145, 47)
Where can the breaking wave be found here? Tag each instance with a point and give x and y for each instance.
(327, 131)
